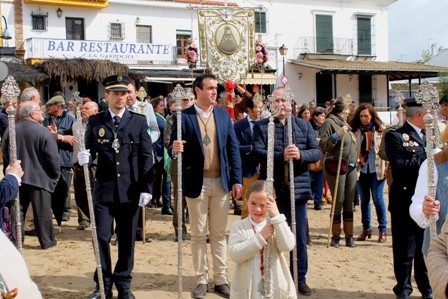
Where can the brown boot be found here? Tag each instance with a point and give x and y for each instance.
(364, 235)
(348, 231)
(335, 232)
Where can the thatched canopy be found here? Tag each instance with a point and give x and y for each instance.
(24, 73)
(66, 70)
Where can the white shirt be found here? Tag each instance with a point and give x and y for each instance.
(421, 189)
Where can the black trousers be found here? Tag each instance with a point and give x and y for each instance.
(407, 243)
(125, 215)
(79, 188)
(40, 200)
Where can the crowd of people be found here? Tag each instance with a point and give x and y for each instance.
(337, 153)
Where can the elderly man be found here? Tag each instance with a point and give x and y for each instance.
(60, 124)
(37, 150)
(405, 148)
(79, 184)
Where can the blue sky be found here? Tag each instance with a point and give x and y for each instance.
(414, 25)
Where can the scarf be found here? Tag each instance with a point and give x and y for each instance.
(367, 142)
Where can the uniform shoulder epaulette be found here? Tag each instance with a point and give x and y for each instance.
(135, 112)
(393, 127)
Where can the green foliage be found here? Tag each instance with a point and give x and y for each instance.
(426, 56)
(443, 85)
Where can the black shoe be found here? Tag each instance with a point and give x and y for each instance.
(427, 296)
(167, 212)
(318, 207)
(82, 226)
(30, 233)
(51, 245)
(304, 289)
(126, 294)
(335, 241)
(200, 291)
(349, 242)
(96, 294)
(140, 238)
(207, 238)
(66, 217)
(223, 290)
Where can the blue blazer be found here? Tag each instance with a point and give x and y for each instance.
(244, 137)
(193, 155)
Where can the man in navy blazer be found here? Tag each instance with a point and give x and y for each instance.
(243, 130)
(211, 169)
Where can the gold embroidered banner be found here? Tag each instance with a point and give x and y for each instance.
(227, 42)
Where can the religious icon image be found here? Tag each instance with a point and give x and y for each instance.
(227, 39)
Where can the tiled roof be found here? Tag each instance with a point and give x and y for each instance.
(376, 66)
(199, 2)
(396, 70)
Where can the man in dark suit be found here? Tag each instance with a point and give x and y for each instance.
(243, 131)
(405, 149)
(38, 151)
(119, 139)
(211, 169)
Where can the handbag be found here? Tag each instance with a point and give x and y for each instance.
(318, 165)
(331, 166)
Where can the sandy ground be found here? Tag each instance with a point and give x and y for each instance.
(66, 270)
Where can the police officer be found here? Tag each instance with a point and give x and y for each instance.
(119, 139)
(405, 148)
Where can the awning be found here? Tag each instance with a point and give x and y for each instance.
(394, 69)
(260, 78)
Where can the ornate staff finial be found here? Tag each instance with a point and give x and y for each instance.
(189, 93)
(428, 96)
(178, 93)
(10, 89)
(141, 93)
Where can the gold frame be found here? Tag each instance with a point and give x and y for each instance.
(227, 42)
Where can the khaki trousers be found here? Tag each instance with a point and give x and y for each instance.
(246, 184)
(212, 208)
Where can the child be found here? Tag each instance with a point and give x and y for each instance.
(247, 243)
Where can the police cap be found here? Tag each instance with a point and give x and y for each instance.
(411, 102)
(117, 83)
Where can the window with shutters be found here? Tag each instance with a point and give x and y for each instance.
(364, 35)
(260, 22)
(74, 28)
(116, 30)
(324, 34)
(144, 34)
(183, 37)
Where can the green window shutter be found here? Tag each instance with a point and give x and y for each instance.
(260, 22)
(324, 33)
(364, 36)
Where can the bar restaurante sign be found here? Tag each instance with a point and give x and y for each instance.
(107, 50)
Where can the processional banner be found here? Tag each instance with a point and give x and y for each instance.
(227, 42)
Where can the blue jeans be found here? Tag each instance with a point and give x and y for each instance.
(317, 185)
(284, 206)
(367, 183)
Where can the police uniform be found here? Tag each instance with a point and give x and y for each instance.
(405, 149)
(124, 159)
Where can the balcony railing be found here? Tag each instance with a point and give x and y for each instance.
(122, 52)
(326, 45)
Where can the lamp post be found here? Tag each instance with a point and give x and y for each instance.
(5, 32)
(283, 51)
